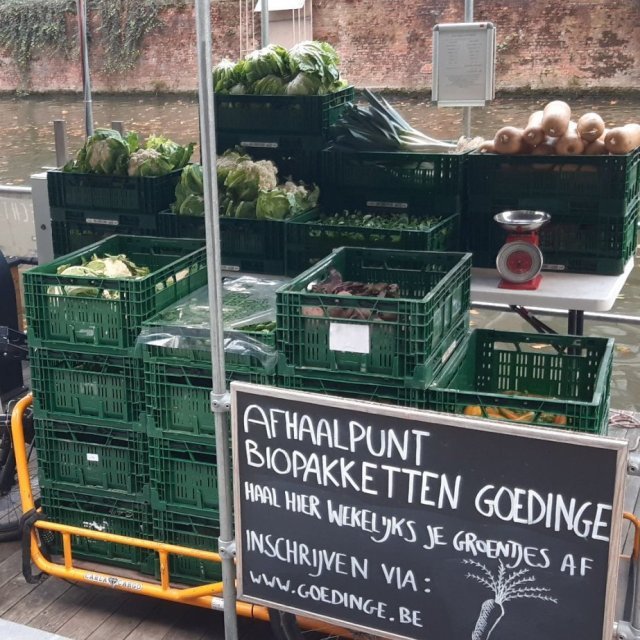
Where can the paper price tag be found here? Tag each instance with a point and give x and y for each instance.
(352, 338)
(93, 457)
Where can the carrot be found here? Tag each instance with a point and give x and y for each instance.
(491, 613)
(555, 118)
(570, 144)
(533, 132)
(508, 140)
(590, 126)
(621, 140)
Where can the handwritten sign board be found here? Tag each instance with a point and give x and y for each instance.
(420, 525)
(463, 64)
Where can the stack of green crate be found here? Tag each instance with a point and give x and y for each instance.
(374, 348)
(179, 422)
(594, 202)
(88, 387)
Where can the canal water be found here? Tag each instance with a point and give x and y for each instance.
(26, 125)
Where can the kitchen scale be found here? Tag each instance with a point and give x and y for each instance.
(519, 261)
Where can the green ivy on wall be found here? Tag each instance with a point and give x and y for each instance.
(30, 27)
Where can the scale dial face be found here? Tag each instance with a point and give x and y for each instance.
(519, 262)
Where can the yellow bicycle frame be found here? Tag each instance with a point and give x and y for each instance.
(206, 596)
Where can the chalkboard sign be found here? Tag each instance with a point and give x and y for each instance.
(463, 64)
(422, 525)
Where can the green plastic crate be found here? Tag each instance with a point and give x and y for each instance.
(74, 387)
(309, 115)
(126, 194)
(591, 244)
(560, 185)
(193, 532)
(108, 515)
(436, 178)
(567, 376)
(73, 236)
(178, 397)
(400, 333)
(183, 475)
(58, 319)
(309, 239)
(97, 459)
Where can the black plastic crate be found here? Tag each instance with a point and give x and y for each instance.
(437, 179)
(72, 236)
(296, 156)
(596, 244)
(281, 114)
(194, 532)
(576, 186)
(97, 459)
(126, 194)
(309, 238)
(125, 517)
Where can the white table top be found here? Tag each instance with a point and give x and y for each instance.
(570, 291)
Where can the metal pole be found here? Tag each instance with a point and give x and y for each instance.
(86, 78)
(466, 111)
(60, 137)
(264, 22)
(219, 396)
(118, 125)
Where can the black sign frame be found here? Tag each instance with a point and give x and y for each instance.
(534, 434)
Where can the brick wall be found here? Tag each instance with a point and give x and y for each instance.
(387, 43)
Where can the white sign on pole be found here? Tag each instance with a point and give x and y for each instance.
(464, 57)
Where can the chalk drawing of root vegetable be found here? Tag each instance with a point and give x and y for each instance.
(505, 587)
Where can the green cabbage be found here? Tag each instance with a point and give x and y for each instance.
(147, 162)
(225, 76)
(271, 60)
(316, 58)
(176, 155)
(190, 192)
(304, 84)
(269, 86)
(285, 201)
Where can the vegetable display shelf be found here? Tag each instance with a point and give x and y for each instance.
(178, 398)
(93, 458)
(194, 532)
(81, 387)
(126, 517)
(383, 337)
(102, 313)
(253, 246)
(436, 178)
(309, 237)
(596, 244)
(73, 236)
(183, 475)
(577, 186)
(125, 194)
(308, 115)
(547, 380)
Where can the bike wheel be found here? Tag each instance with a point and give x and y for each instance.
(10, 502)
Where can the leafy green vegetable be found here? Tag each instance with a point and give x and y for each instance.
(270, 86)
(190, 192)
(107, 152)
(248, 178)
(317, 59)
(285, 201)
(147, 162)
(304, 84)
(225, 76)
(271, 60)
